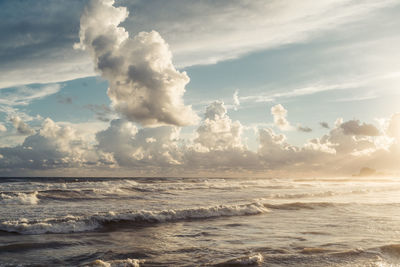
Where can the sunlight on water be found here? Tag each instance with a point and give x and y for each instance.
(185, 222)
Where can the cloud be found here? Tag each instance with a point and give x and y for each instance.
(304, 129)
(13, 100)
(144, 87)
(236, 102)
(324, 125)
(393, 129)
(350, 138)
(37, 40)
(52, 146)
(275, 153)
(208, 31)
(24, 95)
(280, 113)
(2, 128)
(216, 147)
(218, 144)
(146, 148)
(313, 88)
(21, 127)
(354, 127)
(217, 131)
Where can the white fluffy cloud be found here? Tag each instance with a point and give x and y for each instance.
(218, 145)
(354, 127)
(275, 153)
(280, 113)
(2, 128)
(217, 131)
(236, 101)
(144, 85)
(216, 148)
(345, 142)
(20, 126)
(273, 147)
(144, 148)
(393, 129)
(52, 146)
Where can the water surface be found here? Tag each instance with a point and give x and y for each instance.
(199, 222)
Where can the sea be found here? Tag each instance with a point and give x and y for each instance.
(346, 221)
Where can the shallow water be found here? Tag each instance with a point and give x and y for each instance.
(192, 222)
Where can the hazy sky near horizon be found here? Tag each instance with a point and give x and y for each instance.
(137, 88)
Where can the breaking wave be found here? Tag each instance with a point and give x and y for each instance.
(300, 205)
(115, 263)
(19, 198)
(256, 259)
(303, 195)
(69, 224)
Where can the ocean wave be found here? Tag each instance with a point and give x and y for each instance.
(115, 263)
(100, 187)
(23, 247)
(315, 250)
(69, 224)
(253, 260)
(19, 198)
(299, 205)
(329, 193)
(303, 195)
(63, 194)
(206, 184)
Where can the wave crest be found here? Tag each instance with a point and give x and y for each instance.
(300, 205)
(115, 263)
(71, 224)
(20, 198)
(256, 259)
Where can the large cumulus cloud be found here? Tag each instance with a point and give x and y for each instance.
(354, 127)
(140, 148)
(217, 131)
(393, 129)
(144, 87)
(215, 148)
(52, 146)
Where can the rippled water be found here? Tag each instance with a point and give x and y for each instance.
(199, 222)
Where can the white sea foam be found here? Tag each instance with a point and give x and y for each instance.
(253, 260)
(20, 198)
(115, 263)
(70, 224)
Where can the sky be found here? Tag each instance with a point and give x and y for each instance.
(199, 88)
